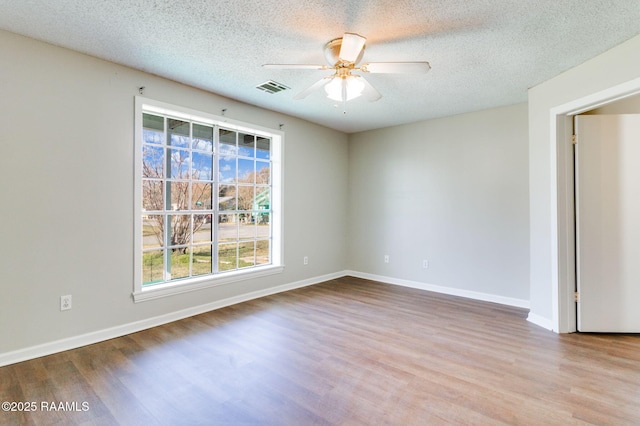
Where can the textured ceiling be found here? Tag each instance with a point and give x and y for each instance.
(483, 53)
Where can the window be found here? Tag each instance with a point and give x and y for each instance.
(207, 200)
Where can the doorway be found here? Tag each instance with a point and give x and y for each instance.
(562, 203)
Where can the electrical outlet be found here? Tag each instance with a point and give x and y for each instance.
(425, 264)
(65, 302)
(305, 260)
(386, 258)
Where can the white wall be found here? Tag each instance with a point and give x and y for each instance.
(612, 68)
(66, 176)
(453, 191)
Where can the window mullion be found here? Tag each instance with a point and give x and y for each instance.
(167, 196)
(190, 199)
(215, 219)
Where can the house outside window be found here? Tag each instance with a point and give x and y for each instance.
(207, 200)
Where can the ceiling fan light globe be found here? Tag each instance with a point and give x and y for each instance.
(334, 88)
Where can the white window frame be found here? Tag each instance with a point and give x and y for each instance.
(142, 293)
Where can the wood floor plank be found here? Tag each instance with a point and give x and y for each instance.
(344, 352)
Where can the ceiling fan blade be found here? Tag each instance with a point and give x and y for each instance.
(315, 86)
(295, 67)
(369, 92)
(396, 67)
(352, 45)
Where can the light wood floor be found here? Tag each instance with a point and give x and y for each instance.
(345, 352)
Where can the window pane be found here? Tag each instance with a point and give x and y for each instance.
(152, 195)
(263, 172)
(152, 267)
(180, 231)
(202, 166)
(245, 197)
(227, 255)
(152, 136)
(246, 226)
(263, 148)
(179, 141)
(263, 252)
(179, 164)
(201, 196)
(246, 145)
(263, 228)
(227, 170)
(178, 133)
(227, 197)
(228, 227)
(246, 254)
(177, 195)
(228, 143)
(152, 231)
(152, 162)
(179, 258)
(202, 137)
(202, 260)
(262, 201)
(202, 230)
(153, 122)
(246, 173)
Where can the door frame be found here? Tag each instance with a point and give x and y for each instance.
(563, 254)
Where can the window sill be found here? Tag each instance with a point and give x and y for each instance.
(184, 286)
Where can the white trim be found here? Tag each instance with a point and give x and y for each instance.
(540, 321)
(176, 287)
(121, 330)
(137, 193)
(562, 304)
(189, 114)
(486, 297)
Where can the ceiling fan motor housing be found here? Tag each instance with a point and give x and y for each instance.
(332, 52)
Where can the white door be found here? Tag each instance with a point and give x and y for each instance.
(608, 222)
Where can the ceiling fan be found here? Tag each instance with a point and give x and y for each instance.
(343, 55)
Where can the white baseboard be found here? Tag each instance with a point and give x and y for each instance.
(540, 321)
(520, 303)
(110, 333)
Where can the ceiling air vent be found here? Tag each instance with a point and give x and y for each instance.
(272, 87)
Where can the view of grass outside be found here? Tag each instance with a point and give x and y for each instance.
(231, 256)
(152, 267)
(242, 255)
